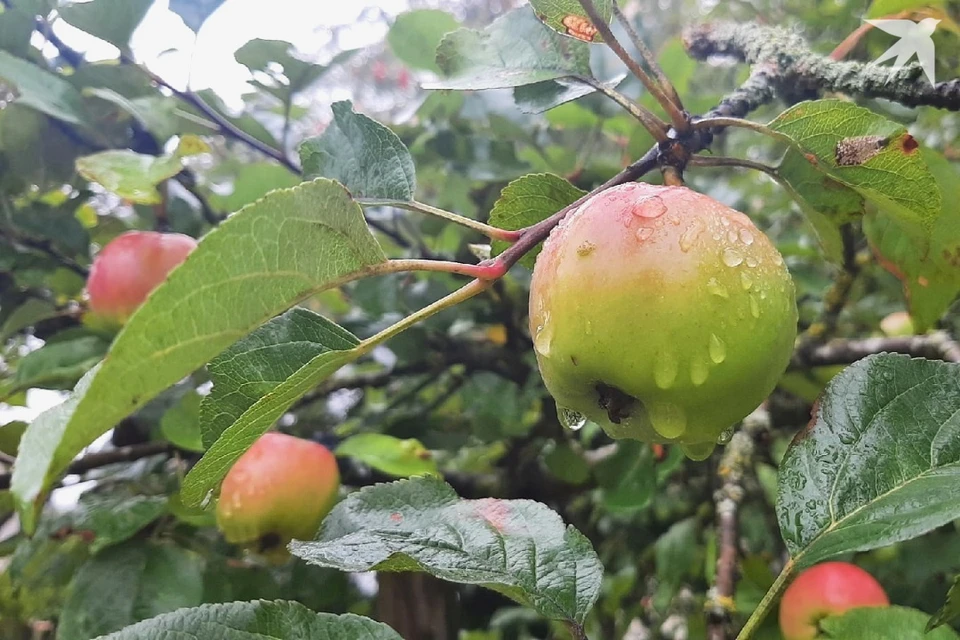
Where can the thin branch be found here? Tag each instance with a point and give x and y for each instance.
(100, 459)
(721, 122)
(799, 71)
(657, 128)
(46, 247)
(648, 57)
(935, 346)
(727, 161)
(837, 296)
(412, 205)
(677, 117)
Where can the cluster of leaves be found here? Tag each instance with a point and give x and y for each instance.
(453, 401)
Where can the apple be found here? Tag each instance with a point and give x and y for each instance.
(129, 267)
(280, 489)
(826, 589)
(661, 315)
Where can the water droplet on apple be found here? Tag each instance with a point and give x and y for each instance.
(697, 450)
(650, 207)
(724, 221)
(644, 233)
(754, 307)
(725, 436)
(731, 257)
(718, 350)
(746, 280)
(573, 420)
(732, 235)
(699, 371)
(752, 262)
(665, 370)
(668, 419)
(717, 289)
(746, 237)
(543, 337)
(690, 235)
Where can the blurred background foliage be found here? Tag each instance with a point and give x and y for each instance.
(115, 544)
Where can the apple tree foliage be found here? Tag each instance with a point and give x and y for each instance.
(361, 280)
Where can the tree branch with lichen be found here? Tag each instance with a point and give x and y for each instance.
(799, 71)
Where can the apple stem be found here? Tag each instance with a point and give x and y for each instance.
(490, 231)
(769, 599)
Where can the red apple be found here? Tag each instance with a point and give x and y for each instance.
(280, 489)
(131, 266)
(827, 589)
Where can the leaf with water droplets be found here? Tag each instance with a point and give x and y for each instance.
(879, 462)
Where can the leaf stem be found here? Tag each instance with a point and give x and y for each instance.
(480, 271)
(678, 118)
(657, 127)
(727, 161)
(769, 598)
(721, 121)
(412, 205)
(648, 56)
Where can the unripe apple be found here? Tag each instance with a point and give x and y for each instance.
(661, 315)
(131, 266)
(280, 489)
(827, 589)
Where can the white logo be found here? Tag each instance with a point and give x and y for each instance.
(914, 39)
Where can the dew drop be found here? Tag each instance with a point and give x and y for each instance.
(746, 237)
(543, 338)
(725, 436)
(697, 450)
(668, 419)
(752, 262)
(651, 207)
(725, 222)
(665, 370)
(675, 221)
(718, 350)
(746, 280)
(731, 257)
(698, 372)
(754, 307)
(717, 289)
(644, 233)
(588, 328)
(690, 235)
(573, 420)
(732, 235)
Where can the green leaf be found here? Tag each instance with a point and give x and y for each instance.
(180, 425)
(930, 273)
(113, 519)
(628, 478)
(882, 623)
(257, 364)
(528, 200)
(567, 464)
(134, 581)
(676, 552)
(132, 176)
(950, 611)
(569, 18)
(414, 37)
(826, 203)
(43, 91)
(10, 434)
(516, 49)
(59, 363)
(516, 547)
(253, 181)
(393, 456)
(291, 244)
(879, 462)
(110, 20)
(542, 96)
(282, 71)
(194, 12)
(16, 27)
(259, 620)
(874, 156)
(365, 156)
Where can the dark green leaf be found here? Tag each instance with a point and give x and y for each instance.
(253, 181)
(289, 245)
(113, 519)
(180, 425)
(111, 20)
(393, 456)
(255, 365)
(516, 49)
(872, 155)
(414, 36)
(284, 73)
(628, 478)
(882, 623)
(41, 90)
(878, 463)
(516, 547)
(131, 583)
(259, 620)
(950, 611)
(59, 363)
(528, 200)
(542, 96)
(194, 12)
(362, 154)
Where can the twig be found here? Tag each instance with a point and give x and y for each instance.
(412, 205)
(648, 57)
(657, 128)
(45, 246)
(799, 71)
(736, 463)
(93, 461)
(836, 298)
(677, 117)
(936, 346)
